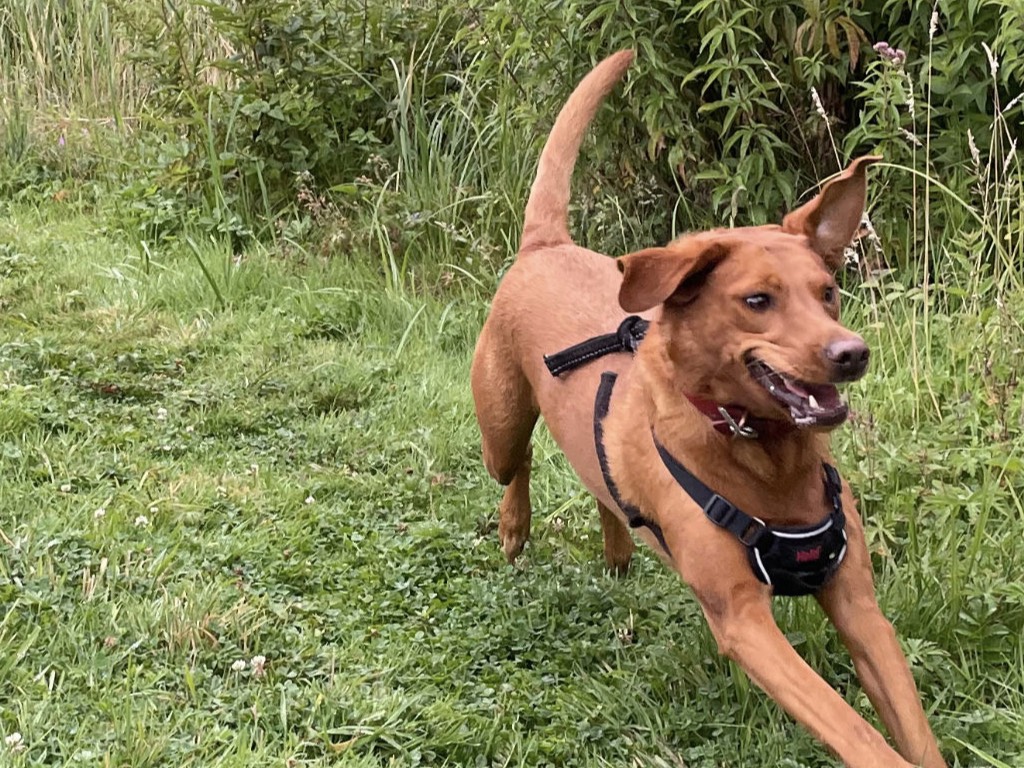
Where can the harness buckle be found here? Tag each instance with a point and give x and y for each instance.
(738, 428)
(752, 534)
(833, 487)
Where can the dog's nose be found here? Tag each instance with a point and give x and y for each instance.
(849, 358)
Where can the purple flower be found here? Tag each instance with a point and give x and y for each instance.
(60, 141)
(895, 56)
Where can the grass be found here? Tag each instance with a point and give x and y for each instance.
(291, 471)
(243, 517)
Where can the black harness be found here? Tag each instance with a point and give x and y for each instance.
(793, 560)
(633, 514)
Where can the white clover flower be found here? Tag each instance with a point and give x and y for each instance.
(65, 488)
(141, 521)
(154, 509)
(310, 499)
(258, 664)
(161, 414)
(100, 513)
(238, 666)
(14, 742)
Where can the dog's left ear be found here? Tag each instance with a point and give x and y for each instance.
(654, 276)
(832, 218)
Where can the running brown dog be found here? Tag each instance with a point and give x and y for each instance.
(735, 384)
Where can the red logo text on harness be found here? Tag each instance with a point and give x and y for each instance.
(806, 555)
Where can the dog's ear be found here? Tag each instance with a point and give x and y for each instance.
(654, 276)
(832, 218)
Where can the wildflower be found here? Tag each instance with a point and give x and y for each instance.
(993, 62)
(910, 94)
(1013, 103)
(818, 107)
(100, 513)
(895, 56)
(975, 154)
(933, 27)
(258, 664)
(60, 141)
(14, 742)
(154, 509)
(310, 499)
(911, 137)
(161, 414)
(65, 488)
(238, 666)
(871, 233)
(141, 521)
(851, 257)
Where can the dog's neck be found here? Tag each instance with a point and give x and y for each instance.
(782, 469)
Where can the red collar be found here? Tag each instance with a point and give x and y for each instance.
(736, 421)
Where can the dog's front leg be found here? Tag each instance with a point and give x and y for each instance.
(738, 609)
(849, 600)
(746, 632)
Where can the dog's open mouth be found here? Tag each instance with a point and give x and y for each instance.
(809, 405)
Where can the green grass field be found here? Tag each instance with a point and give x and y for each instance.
(293, 473)
(243, 516)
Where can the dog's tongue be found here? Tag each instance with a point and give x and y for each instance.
(796, 388)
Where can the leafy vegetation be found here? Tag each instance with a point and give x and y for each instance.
(244, 254)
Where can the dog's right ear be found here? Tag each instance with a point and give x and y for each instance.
(653, 276)
(830, 220)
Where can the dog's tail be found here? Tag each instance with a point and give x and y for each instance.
(547, 211)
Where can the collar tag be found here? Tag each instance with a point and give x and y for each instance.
(738, 428)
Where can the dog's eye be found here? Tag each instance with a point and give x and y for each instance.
(759, 302)
(830, 295)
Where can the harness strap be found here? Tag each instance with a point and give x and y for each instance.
(723, 513)
(626, 339)
(633, 515)
(719, 510)
(751, 531)
(730, 420)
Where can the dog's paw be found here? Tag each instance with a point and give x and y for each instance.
(512, 543)
(618, 567)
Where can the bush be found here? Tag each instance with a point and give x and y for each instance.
(732, 113)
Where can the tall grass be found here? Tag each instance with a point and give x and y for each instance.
(68, 58)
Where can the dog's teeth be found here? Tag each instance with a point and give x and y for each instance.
(812, 401)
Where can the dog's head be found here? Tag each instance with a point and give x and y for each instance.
(750, 316)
